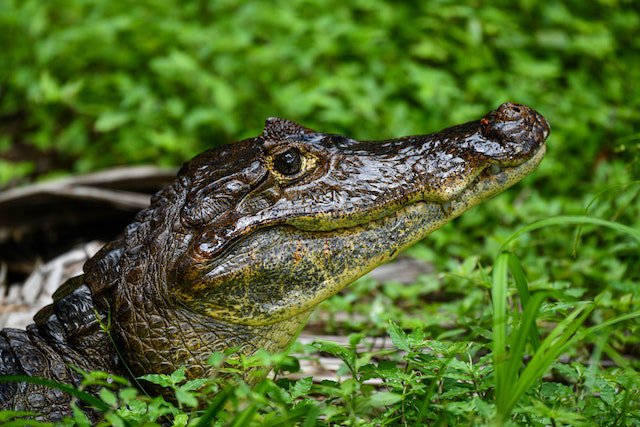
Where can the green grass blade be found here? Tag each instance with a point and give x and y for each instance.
(563, 336)
(244, 417)
(521, 281)
(549, 350)
(214, 407)
(499, 300)
(309, 412)
(595, 198)
(507, 365)
(426, 401)
(519, 338)
(515, 266)
(572, 220)
(87, 398)
(509, 387)
(312, 416)
(611, 322)
(26, 423)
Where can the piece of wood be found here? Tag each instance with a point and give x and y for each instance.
(43, 220)
(127, 188)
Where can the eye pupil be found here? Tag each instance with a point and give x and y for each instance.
(289, 162)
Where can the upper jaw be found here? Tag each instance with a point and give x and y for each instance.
(507, 142)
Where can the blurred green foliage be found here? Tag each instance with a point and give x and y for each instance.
(101, 83)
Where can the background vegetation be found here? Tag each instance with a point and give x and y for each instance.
(87, 84)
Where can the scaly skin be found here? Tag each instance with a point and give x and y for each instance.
(250, 238)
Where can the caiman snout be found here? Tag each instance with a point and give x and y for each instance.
(517, 128)
(511, 119)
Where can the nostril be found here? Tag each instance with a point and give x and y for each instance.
(512, 111)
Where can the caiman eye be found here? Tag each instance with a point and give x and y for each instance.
(289, 162)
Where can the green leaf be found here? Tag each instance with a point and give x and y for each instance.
(80, 417)
(6, 415)
(111, 120)
(178, 375)
(127, 394)
(384, 398)
(180, 420)
(162, 380)
(345, 354)
(216, 359)
(398, 337)
(108, 397)
(195, 384)
(186, 397)
(84, 396)
(158, 407)
(301, 387)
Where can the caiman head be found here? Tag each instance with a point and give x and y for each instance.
(253, 235)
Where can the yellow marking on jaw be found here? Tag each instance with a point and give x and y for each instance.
(297, 256)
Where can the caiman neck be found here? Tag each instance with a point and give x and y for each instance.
(159, 338)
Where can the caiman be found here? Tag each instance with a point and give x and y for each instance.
(249, 238)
